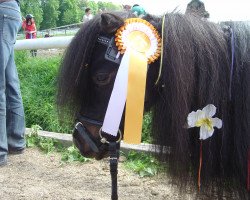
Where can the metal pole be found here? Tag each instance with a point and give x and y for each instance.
(43, 43)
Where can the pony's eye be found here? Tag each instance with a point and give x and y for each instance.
(101, 78)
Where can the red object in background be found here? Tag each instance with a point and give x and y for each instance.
(248, 172)
(29, 28)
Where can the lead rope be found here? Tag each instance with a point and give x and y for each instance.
(248, 172)
(113, 160)
(232, 63)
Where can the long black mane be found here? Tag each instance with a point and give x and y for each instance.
(203, 63)
(198, 70)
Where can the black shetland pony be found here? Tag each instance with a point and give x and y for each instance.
(202, 63)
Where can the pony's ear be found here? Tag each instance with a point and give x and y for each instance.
(110, 22)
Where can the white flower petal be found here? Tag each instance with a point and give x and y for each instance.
(209, 110)
(217, 122)
(192, 118)
(205, 133)
(200, 114)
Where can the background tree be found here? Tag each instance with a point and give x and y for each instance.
(101, 5)
(50, 13)
(69, 12)
(82, 4)
(112, 7)
(93, 6)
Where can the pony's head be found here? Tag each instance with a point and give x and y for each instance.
(90, 67)
(87, 77)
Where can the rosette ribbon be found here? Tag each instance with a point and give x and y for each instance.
(140, 43)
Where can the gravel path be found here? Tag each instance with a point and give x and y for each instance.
(36, 176)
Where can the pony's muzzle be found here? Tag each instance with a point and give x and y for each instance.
(86, 139)
(92, 142)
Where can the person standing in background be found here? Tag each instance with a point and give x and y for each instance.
(29, 26)
(88, 16)
(12, 123)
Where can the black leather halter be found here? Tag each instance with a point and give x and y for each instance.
(98, 145)
(81, 133)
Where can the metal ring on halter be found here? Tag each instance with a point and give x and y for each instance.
(77, 124)
(104, 140)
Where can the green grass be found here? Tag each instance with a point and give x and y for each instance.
(140, 163)
(38, 86)
(143, 164)
(49, 145)
(146, 128)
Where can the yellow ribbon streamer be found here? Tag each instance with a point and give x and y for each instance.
(137, 41)
(135, 97)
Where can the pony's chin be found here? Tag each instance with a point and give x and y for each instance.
(101, 156)
(97, 156)
(87, 152)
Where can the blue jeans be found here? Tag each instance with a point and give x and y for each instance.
(12, 123)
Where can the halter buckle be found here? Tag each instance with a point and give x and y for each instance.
(104, 140)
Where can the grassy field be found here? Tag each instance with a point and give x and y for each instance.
(38, 86)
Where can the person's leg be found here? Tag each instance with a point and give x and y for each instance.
(3, 58)
(3, 135)
(10, 20)
(15, 112)
(33, 53)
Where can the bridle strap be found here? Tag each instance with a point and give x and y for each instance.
(87, 137)
(88, 120)
(94, 145)
(113, 160)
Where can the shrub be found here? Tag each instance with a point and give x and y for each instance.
(38, 87)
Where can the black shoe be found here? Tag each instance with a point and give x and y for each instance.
(16, 151)
(3, 161)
